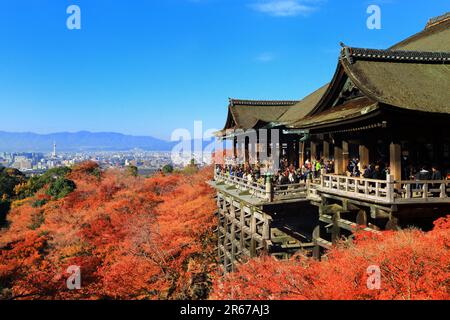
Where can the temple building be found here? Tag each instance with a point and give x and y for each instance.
(384, 110)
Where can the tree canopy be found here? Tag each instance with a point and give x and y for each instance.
(134, 238)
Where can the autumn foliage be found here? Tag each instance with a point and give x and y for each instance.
(133, 238)
(153, 238)
(413, 265)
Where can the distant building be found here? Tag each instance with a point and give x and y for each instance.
(22, 163)
(54, 151)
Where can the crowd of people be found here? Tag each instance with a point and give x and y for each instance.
(285, 174)
(290, 174)
(380, 171)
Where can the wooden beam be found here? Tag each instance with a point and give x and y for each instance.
(326, 150)
(363, 156)
(345, 156)
(395, 164)
(316, 241)
(301, 154)
(338, 160)
(313, 151)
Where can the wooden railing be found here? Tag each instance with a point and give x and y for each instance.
(364, 189)
(423, 191)
(268, 191)
(253, 188)
(386, 191)
(379, 191)
(289, 191)
(312, 190)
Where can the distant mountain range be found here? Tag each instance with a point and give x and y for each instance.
(79, 141)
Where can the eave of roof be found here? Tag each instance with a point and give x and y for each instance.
(356, 108)
(410, 80)
(303, 107)
(413, 80)
(435, 36)
(248, 114)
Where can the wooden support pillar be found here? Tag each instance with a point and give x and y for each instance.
(247, 151)
(266, 227)
(252, 232)
(301, 154)
(233, 245)
(269, 191)
(293, 153)
(345, 156)
(335, 229)
(338, 160)
(326, 150)
(289, 152)
(226, 260)
(361, 218)
(363, 157)
(392, 224)
(235, 154)
(313, 151)
(315, 237)
(395, 163)
(241, 227)
(260, 146)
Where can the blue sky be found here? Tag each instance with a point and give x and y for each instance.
(149, 67)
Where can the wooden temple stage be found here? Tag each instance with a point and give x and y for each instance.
(391, 105)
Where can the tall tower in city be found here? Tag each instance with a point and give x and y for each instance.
(54, 150)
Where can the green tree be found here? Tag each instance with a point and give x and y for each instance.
(191, 168)
(9, 178)
(38, 182)
(168, 168)
(4, 209)
(60, 188)
(132, 171)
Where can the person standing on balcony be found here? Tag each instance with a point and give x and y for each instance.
(377, 174)
(318, 167)
(284, 178)
(423, 174)
(367, 172)
(435, 173)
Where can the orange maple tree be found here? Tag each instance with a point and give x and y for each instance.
(412, 265)
(152, 238)
(133, 238)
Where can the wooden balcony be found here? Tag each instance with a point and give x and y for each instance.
(263, 192)
(386, 192)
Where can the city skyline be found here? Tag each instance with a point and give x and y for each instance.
(155, 67)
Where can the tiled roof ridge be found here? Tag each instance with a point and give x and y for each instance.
(352, 54)
(438, 20)
(262, 102)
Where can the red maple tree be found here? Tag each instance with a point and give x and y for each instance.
(412, 265)
(133, 238)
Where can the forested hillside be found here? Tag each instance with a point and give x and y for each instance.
(413, 265)
(134, 238)
(153, 238)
